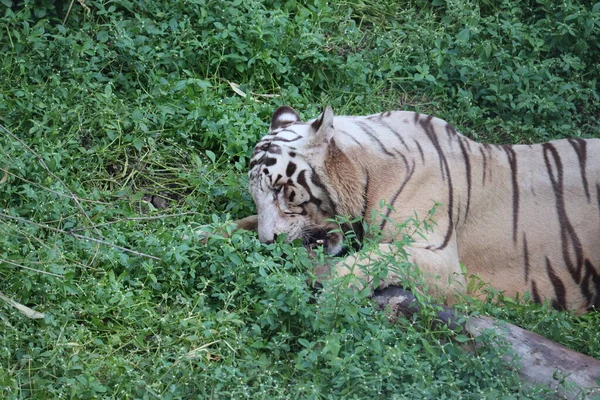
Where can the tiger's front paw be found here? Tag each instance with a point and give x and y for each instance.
(202, 233)
(205, 231)
(355, 276)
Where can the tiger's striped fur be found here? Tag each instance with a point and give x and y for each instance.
(522, 217)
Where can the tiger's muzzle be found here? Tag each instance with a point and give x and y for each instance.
(331, 240)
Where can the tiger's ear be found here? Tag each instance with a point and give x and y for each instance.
(283, 116)
(323, 127)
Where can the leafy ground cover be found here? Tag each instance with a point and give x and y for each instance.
(132, 122)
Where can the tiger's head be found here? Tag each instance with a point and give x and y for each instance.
(291, 183)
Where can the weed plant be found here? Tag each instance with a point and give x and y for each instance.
(130, 123)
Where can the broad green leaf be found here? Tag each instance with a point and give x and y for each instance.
(464, 35)
(212, 157)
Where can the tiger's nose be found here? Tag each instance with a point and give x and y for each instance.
(272, 240)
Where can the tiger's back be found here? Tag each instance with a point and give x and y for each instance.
(546, 226)
(527, 217)
(522, 217)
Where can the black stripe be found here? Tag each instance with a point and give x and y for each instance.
(560, 301)
(512, 160)
(316, 180)
(467, 169)
(598, 196)
(420, 150)
(290, 169)
(465, 140)
(365, 195)
(351, 137)
(372, 134)
(590, 285)
(567, 232)
(253, 163)
(398, 136)
(535, 293)
(301, 180)
(262, 146)
(417, 118)
(450, 131)
(280, 139)
(580, 147)
(445, 170)
(269, 161)
(526, 265)
(484, 165)
(409, 173)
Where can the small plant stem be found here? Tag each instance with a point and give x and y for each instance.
(91, 239)
(30, 269)
(135, 219)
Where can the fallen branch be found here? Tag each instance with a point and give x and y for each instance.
(26, 311)
(543, 362)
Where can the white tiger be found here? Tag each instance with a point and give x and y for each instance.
(524, 218)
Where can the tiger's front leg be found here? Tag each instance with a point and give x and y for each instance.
(440, 269)
(249, 223)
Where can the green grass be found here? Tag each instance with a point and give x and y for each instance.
(134, 99)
